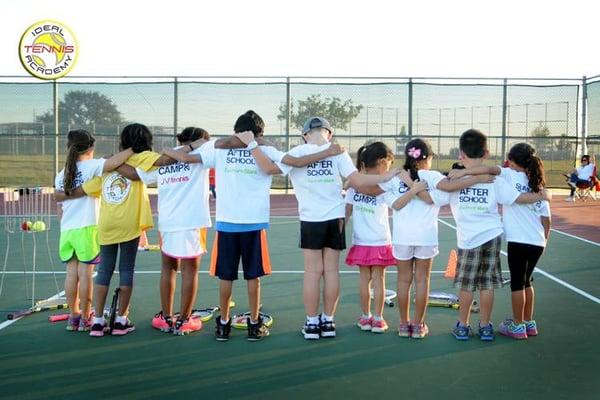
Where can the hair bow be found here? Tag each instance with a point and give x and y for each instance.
(414, 153)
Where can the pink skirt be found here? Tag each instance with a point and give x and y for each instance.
(371, 255)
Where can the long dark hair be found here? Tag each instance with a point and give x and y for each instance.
(415, 151)
(191, 134)
(137, 136)
(524, 156)
(79, 141)
(368, 155)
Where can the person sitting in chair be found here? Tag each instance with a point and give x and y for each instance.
(580, 175)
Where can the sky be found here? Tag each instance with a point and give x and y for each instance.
(317, 37)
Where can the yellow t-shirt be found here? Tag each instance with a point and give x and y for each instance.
(124, 207)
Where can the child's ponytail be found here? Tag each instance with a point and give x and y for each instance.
(78, 142)
(524, 156)
(359, 157)
(416, 150)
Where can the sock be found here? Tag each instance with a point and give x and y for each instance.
(378, 318)
(327, 318)
(366, 316)
(121, 319)
(223, 322)
(312, 320)
(253, 322)
(99, 320)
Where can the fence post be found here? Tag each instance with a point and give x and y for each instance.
(504, 120)
(584, 116)
(56, 127)
(175, 107)
(410, 108)
(288, 107)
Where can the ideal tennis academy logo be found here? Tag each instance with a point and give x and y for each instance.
(48, 49)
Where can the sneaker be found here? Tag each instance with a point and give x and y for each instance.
(379, 326)
(73, 323)
(510, 329)
(98, 330)
(162, 323)
(461, 332)
(123, 329)
(256, 331)
(186, 326)
(222, 331)
(570, 199)
(531, 328)
(405, 330)
(311, 331)
(419, 331)
(364, 323)
(85, 324)
(327, 328)
(486, 333)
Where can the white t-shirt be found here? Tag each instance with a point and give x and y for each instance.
(318, 186)
(243, 187)
(475, 210)
(522, 223)
(182, 195)
(370, 220)
(415, 224)
(84, 211)
(585, 172)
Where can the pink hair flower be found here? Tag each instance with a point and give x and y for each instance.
(414, 153)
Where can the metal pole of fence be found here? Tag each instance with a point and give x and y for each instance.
(175, 112)
(55, 105)
(288, 102)
(504, 119)
(410, 108)
(584, 116)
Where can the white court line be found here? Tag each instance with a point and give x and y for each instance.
(280, 272)
(548, 275)
(575, 237)
(8, 323)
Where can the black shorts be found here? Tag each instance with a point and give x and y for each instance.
(318, 235)
(229, 247)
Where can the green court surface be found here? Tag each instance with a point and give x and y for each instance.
(40, 360)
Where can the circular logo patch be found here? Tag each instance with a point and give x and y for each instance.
(48, 49)
(115, 188)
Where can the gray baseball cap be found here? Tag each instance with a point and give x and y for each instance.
(316, 122)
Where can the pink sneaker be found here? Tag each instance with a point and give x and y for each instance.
(419, 331)
(531, 328)
(365, 324)
(405, 330)
(85, 324)
(184, 327)
(73, 323)
(161, 323)
(509, 328)
(379, 326)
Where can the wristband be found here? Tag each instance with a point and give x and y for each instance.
(191, 147)
(252, 145)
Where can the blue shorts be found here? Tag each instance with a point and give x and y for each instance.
(251, 246)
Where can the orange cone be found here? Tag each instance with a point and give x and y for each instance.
(451, 267)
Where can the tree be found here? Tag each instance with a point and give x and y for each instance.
(565, 147)
(541, 142)
(338, 113)
(84, 108)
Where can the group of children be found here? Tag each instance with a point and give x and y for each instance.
(244, 164)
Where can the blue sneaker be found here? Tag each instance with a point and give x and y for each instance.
(461, 332)
(486, 333)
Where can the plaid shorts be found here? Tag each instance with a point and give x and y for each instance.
(479, 268)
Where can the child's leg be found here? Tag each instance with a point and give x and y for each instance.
(422, 273)
(331, 280)
(254, 297)
(108, 259)
(126, 267)
(168, 281)
(517, 264)
(529, 301)
(533, 257)
(364, 286)
(378, 273)
(405, 277)
(72, 287)
(465, 300)
(225, 289)
(84, 272)
(313, 271)
(486, 298)
(189, 285)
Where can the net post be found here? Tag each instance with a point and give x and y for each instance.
(288, 101)
(175, 109)
(504, 119)
(584, 149)
(410, 108)
(55, 106)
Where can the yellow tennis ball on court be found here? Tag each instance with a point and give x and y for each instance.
(38, 226)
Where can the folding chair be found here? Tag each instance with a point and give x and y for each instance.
(588, 189)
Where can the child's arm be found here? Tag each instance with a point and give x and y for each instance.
(480, 170)
(182, 155)
(76, 193)
(423, 194)
(128, 172)
(448, 185)
(546, 222)
(363, 183)
(265, 163)
(114, 161)
(528, 198)
(333, 150)
(348, 211)
(403, 200)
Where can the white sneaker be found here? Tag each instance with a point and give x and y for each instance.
(570, 199)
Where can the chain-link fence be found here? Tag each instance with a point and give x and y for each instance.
(547, 114)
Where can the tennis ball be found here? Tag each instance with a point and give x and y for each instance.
(38, 226)
(26, 226)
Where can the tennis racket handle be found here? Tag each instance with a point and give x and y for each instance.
(58, 317)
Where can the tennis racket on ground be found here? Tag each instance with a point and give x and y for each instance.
(390, 295)
(442, 299)
(206, 314)
(240, 321)
(112, 313)
(31, 310)
(58, 317)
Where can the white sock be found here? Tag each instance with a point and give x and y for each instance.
(367, 316)
(121, 319)
(378, 318)
(253, 322)
(223, 322)
(313, 320)
(327, 318)
(99, 320)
